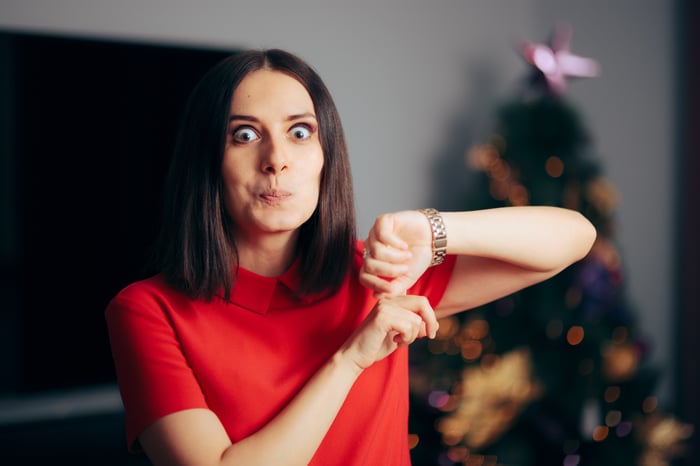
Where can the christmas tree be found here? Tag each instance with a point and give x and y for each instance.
(555, 374)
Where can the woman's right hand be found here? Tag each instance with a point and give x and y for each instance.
(393, 322)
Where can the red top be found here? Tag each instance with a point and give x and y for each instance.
(245, 360)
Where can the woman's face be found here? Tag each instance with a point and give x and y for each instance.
(273, 158)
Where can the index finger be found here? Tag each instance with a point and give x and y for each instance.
(421, 306)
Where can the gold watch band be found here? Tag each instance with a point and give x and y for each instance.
(437, 226)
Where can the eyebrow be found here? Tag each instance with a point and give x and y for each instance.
(298, 116)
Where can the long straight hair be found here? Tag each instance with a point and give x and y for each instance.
(196, 250)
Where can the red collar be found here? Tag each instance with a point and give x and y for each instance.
(254, 292)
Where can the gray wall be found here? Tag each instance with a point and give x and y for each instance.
(415, 82)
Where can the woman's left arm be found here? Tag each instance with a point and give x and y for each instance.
(500, 251)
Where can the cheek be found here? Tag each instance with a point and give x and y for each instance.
(230, 184)
(316, 178)
(233, 185)
(316, 166)
(233, 172)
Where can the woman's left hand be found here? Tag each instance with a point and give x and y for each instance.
(398, 250)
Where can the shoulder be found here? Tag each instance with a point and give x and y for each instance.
(152, 286)
(150, 293)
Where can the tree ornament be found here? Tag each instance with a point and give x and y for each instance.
(490, 399)
(554, 62)
(664, 438)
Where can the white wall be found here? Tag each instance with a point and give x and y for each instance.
(415, 82)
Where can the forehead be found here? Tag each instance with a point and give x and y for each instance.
(269, 90)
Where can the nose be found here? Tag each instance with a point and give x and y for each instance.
(274, 159)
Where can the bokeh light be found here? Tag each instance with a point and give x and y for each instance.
(649, 404)
(613, 418)
(554, 167)
(554, 329)
(611, 394)
(600, 433)
(574, 335)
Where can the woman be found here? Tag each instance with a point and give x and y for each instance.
(272, 336)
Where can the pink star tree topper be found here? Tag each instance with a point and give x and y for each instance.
(556, 62)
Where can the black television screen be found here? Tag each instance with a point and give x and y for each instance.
(86, 131)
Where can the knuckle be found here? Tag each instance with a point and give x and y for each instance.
(383, 304)
(371, 249)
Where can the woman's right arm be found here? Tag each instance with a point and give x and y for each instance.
(197, 437)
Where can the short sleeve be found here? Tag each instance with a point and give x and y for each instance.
(153, 374)
(433, 283)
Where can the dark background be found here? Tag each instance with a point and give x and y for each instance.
(92, 127)
(86, 131)
(687, 244)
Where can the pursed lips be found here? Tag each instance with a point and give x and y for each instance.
(275, 196)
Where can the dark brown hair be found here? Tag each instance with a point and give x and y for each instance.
(196, 250)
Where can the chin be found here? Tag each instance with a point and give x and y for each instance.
(284, 225)
(280, 221)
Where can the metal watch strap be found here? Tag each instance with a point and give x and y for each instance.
(437, 226)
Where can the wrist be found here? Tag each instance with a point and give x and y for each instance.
(344, 361)
(438, 233)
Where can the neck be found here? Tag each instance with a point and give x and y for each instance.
(269, 256)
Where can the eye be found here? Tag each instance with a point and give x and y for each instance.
(300, 132)
(244, 134)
